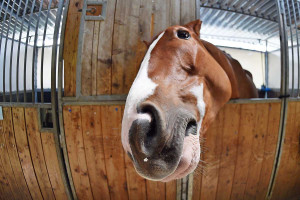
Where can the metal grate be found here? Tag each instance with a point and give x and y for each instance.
(27, 36)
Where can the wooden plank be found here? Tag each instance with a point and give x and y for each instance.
(52, 164)
(293, 130)
(256, 160)
(6, 164)
(37, 155)
(111, 117)
(197, 184)
(171, 190)
(296, 155)
(75, 147)
(289, 162)
(161, 14)
(5, 187)
(104, 64)
(125, 45)
(145, 20)
(188, 11)
(283, 175)
(86, 58)
(229, 150)
(22, 189)
(245, 140)
(24, 152)
(270, 149)
(136, 185)
(71, 47)
(212, 157)
(175, 7)
(93, 146)
(155, 190)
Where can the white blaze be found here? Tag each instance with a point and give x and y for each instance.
(141, 88)
(198, 92)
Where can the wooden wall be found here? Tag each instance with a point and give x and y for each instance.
(71, 46)
(239, 153)
(29, 166)
(99, 166)
(113, 48)
(287, 184)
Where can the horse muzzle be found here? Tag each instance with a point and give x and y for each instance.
(157, 142)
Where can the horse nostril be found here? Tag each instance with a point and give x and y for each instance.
(150, 109)
(191, 128)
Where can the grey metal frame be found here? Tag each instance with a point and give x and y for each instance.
(36, 21)
(54, 102)
(29, 21)
(60, 106)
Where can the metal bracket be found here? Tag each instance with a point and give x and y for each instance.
(1, 113)
(45, 120)
(95, 11)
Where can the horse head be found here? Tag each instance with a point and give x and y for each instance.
(176, 94)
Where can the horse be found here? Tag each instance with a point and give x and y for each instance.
(182, 83)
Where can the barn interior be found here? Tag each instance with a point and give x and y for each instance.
(66, 67)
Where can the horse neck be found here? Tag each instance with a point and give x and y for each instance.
(225, 63)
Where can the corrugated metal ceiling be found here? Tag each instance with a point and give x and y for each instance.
(251, 22)
(12, 13)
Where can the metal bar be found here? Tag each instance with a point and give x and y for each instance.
(60, 143)
(18, 54)
(298, 51)
(4, 56)
(34, 53)
(26, 46)
(283, 93)
(292, 41)
(43, 50)
(14, 15)
(25, 105)
(60, 104)
(266, 69)
(260, 4)
(11, 55)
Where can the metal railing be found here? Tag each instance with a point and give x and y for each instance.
(31, 43)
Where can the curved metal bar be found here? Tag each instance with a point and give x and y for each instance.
(1, 8)
(19, 46)
(11, 53)
(283, 92)
(292, 43)
(34, 53)
(63, 164)
(298, 92)
(4, 52)
(26, 46)
(43, 50)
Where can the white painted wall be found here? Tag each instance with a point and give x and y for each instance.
(275, 69)
(46, 67)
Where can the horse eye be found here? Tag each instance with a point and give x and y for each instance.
(182, 34)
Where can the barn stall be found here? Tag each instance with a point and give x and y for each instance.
(67, 66)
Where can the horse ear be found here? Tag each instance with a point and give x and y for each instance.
(195, 26)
